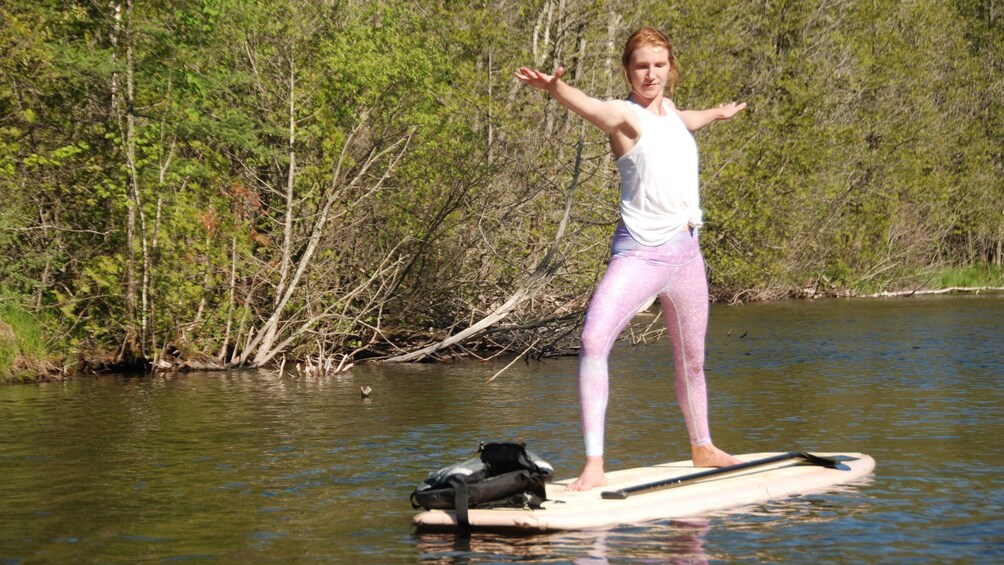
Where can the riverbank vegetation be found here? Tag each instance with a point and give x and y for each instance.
(213, 183)
(24, 351)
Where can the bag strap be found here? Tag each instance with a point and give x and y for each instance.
(460, 501)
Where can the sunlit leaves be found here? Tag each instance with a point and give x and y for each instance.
(871, 149)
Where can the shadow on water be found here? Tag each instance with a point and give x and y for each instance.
(251, 467)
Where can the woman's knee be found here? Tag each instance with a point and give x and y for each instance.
(694, 367)
(595, 342)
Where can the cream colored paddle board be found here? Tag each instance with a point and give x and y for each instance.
(565, 510)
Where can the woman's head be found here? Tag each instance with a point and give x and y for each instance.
(648, 51)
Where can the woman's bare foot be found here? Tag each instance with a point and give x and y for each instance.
(710, 456)
(592, 475)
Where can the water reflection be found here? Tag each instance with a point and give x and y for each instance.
(253, 466)
(670, 542)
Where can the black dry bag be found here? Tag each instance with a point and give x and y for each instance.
(505, 475)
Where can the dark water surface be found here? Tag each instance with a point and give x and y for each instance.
(250, 467)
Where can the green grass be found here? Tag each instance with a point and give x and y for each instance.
(23, 350)
(970, 277)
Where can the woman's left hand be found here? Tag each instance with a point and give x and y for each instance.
(731, 109)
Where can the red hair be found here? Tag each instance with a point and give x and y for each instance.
(651, 37)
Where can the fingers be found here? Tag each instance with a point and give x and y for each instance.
(533, 74)
(533, 77)
(732, 108)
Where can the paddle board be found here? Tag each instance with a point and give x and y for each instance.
(665, 491)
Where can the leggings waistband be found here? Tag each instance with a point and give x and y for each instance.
(680, 248)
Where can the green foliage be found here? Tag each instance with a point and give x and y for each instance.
(872, 149)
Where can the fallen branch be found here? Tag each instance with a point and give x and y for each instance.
(539, 278)
(975, 289)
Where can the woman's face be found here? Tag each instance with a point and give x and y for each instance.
(649, 71)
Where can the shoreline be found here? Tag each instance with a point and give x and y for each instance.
(50, 370)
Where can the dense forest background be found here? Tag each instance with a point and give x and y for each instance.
(234, 182)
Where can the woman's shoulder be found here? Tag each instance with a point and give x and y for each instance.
(627, 106)
(627, 109)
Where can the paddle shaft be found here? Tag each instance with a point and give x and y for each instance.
(676, 481)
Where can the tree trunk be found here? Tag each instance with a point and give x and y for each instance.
(287, 226)
(223, 356)
(131, 343)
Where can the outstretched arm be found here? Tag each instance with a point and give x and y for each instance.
(697, 119)
(611, 117)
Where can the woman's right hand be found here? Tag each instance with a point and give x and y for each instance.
(538, 79)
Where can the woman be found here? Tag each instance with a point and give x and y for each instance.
(655, 249)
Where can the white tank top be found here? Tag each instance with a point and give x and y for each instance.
(659, 179)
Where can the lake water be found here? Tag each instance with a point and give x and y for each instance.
(252, 467)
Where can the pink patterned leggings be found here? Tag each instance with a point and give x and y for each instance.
(675, 273)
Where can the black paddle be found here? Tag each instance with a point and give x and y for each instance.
(832, 463)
